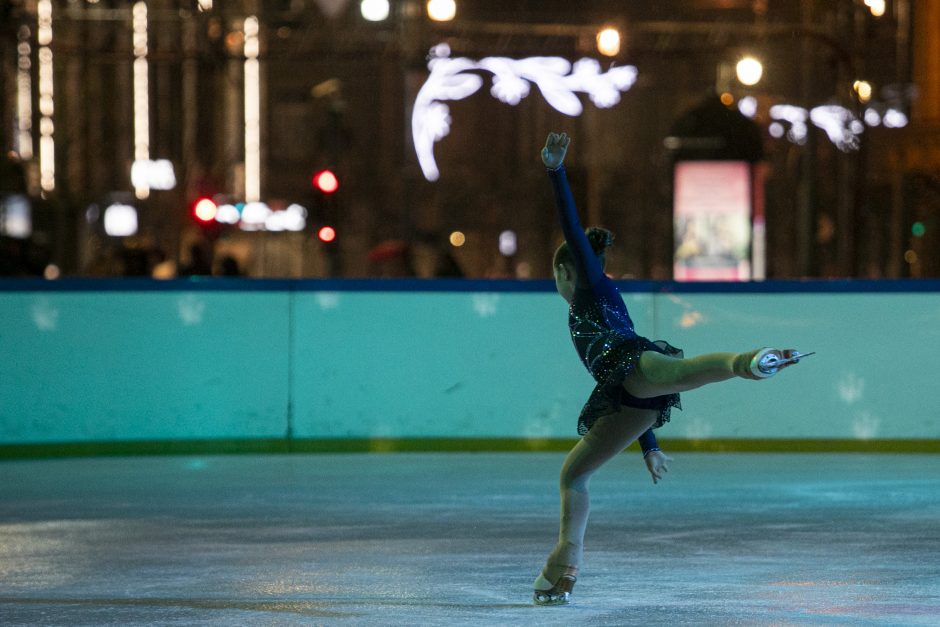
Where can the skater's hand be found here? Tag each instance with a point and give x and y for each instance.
(553, 155)
(657, 463)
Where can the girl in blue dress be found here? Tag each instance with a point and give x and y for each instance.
(638, 380)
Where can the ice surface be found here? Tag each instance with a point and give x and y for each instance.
(453, 539)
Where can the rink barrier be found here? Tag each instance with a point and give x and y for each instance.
(201, 366)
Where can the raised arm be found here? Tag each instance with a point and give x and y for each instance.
(587, 265)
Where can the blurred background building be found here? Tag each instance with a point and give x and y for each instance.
(312, 138)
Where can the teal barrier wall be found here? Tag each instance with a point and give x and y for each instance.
(102, 361)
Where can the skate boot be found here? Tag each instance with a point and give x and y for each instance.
(559, 593)
(765, 362)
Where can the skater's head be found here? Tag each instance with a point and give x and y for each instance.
(566, 275)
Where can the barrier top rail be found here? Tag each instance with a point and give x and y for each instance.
(212, 284)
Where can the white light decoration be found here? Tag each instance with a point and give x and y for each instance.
(156, 174)
(294, 218)
(120, 220)
(748, 106)
(894, 119)
(749, 71)
(796, 117)
(776, 130)
(141, 97)
(557, 79)
(255, 216)
(16, 216)
(508, 243)
(840, 124)
(374, 10)
(227, 214)
(24, 96)
(442, 10)
(252, 111)
(608, 42)
(204, 5)
(46, 93)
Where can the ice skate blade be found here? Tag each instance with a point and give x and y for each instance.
(770, 364)
(545, 597)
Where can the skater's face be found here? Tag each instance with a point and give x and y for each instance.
(565, 279)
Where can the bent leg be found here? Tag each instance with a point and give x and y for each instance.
(657, 374)
(608, 437)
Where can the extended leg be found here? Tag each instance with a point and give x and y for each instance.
(657, 374)
(608, 437)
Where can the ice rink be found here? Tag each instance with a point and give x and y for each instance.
(456, 539)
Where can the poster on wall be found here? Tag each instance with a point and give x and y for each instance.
(712, 221)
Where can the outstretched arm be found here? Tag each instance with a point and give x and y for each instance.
(586, 262)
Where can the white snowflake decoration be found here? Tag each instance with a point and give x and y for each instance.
(557, 79)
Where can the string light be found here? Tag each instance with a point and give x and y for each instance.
(24, 96)
(252, 111)
(141, 97)
(46, 100)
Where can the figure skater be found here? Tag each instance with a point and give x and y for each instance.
(638, 380)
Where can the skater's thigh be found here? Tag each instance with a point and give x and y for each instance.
(608, 437)
(656, 375)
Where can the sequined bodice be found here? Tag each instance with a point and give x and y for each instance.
(598, 321)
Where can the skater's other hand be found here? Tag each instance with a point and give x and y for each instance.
(657, 463)
(553, 155)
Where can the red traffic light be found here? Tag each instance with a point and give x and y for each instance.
(205, 210)
(326, 234)
(325, 181)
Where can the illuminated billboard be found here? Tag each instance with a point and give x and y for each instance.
(718, 222)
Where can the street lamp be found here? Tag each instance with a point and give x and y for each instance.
(608, 42)
(749, 71)
(374, 10)
(442, 10)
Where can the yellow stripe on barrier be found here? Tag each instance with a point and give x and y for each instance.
(443, 445)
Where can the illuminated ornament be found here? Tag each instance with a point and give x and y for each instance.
(556, 78)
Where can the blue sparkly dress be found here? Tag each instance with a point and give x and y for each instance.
(602, 330)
